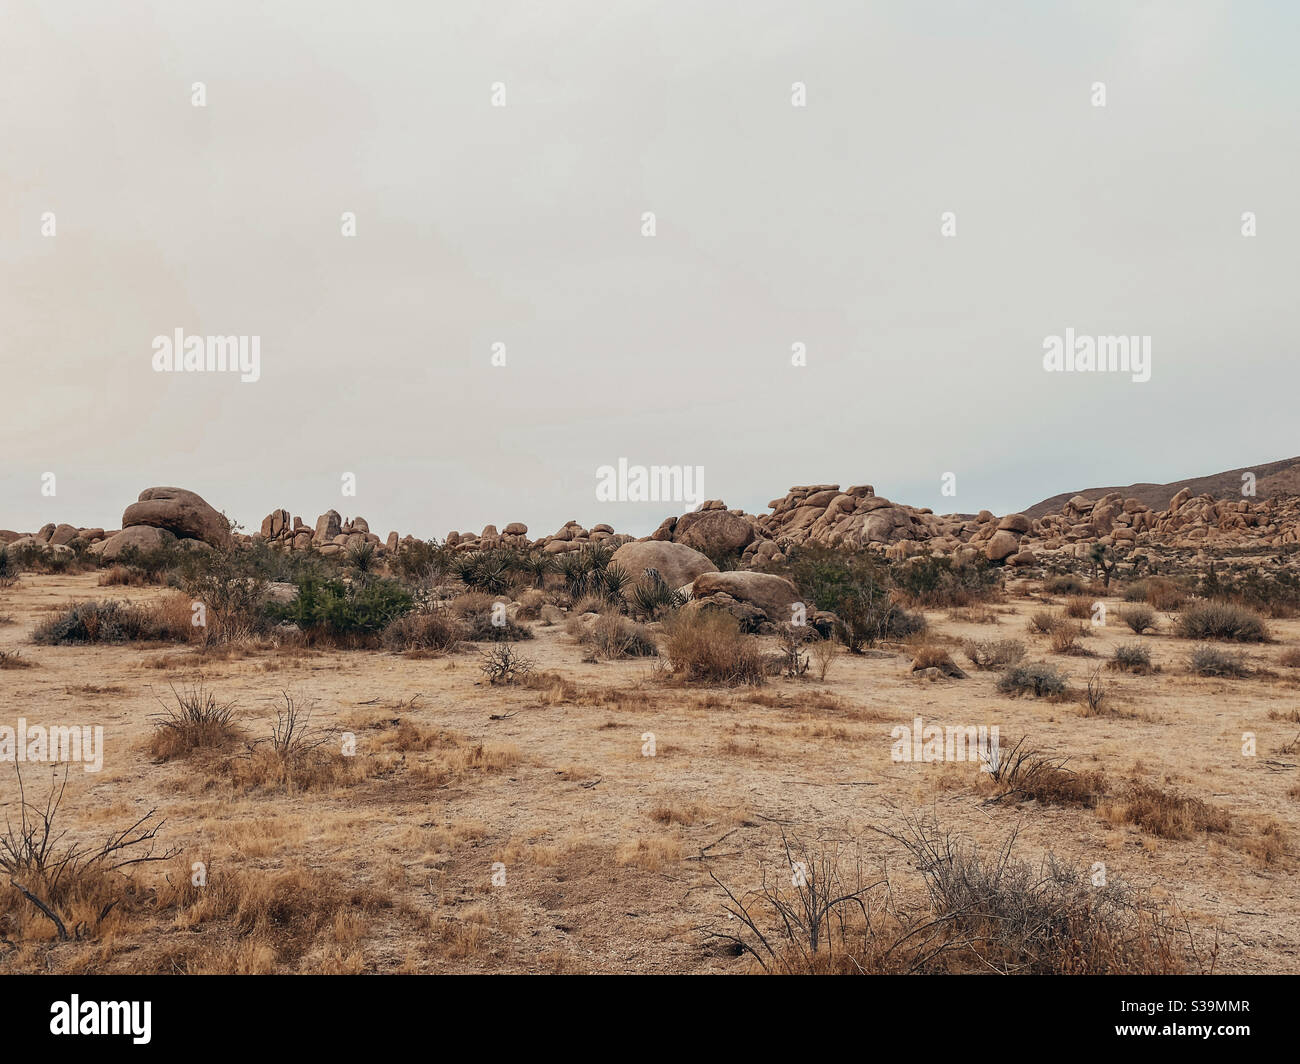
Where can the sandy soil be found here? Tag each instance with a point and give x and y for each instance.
(597, 840)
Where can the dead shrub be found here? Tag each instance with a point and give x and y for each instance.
(1166, 813)
(707, 646)
(986, 654)
(197, 721)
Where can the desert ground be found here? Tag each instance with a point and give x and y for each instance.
(386, 861)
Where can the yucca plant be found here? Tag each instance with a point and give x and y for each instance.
(652, 596)
(538, 566)
(613, 579)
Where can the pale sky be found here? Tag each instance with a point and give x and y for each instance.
(522, 225)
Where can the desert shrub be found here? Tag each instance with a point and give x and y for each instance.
(1157, 591)
(1214, 661)
(1078, 607)
(1066, 584)
(197, 720)
(993, 653)
(933, 656)
(234, 598)
(1025, 773)
(1290, 659)
(8, 567)
(422, 563)
(614, 636)
(707, 646)
(1065, 639)
(1037, 678)
(12, 659)
(1141, 618)
(1131, 657)
(1276, 594)
(339, 609)
(793, 660)
(998, 913)
(72, 884)
(1214, 619)
(937, 580)
(117, 622)
(1165, 813)
(1045, 622)
(435, 629)
(856, 588)
(121, 576)
(493, 624)
(823, 652)
(503, 664)
(154, 564)
(530, 604)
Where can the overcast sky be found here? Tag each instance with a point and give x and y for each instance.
(522, 224)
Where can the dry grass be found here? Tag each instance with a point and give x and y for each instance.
(707, 646)
(1165, 813)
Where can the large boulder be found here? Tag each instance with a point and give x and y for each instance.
(677, 563)
(329, 526)
(141, 537)
(1001, 546)
(774, 595)
(180, 512)
(713, 532)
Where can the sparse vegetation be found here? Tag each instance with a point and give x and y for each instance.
(1221, 620)
(988, 654)
(1131, 657)
(707, 646)
(1140, 618)
(1214, 661)
(1038, 679)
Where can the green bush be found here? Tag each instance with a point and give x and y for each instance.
(855, 586)
(939, 581)
(362, 608)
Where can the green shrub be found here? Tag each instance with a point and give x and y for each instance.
(936, 580)
(433, 630)
(343, 609)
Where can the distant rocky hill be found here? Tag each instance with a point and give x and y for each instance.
(1272, 479)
